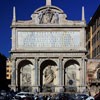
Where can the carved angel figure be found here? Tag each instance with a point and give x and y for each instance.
(40, 15)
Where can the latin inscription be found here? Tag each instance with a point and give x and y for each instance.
(49, 39)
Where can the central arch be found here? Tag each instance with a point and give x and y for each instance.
(47, 75)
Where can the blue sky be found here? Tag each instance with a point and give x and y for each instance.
(24, 9)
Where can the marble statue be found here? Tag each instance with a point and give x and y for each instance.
(49, 75)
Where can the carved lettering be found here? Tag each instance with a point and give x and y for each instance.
(49, 39)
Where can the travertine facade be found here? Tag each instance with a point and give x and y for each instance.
(48, 52)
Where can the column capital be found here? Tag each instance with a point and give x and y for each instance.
(60, 58)
(36, 58)
(13, 58)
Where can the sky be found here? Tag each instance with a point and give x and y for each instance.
(25, 8)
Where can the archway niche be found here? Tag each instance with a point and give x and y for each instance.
(47, 76)
(71, 76)
(25, 75)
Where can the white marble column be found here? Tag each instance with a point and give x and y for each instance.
(33, 75)
(60, 72)
(83, 78)
(83, 71)
(36, 71)
(60, 87)
(36, 75)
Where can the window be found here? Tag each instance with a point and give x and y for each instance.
(99, 34)
(94, 40)
(88, 36)
(98, 49)
(94, 28)
(98, 21)
(94, 52)
(98, 74)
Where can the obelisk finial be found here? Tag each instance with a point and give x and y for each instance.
(48, 2)
(83, 14)
(14, 14)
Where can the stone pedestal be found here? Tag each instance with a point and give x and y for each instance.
(35, 89)
(59, 89)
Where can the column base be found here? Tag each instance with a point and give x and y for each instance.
(35, 89)
(82, 89)
(59, 89)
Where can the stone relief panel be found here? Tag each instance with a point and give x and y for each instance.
(48, 17)
(50, 78)
(49, 75)
(26, 75)
(52, 16)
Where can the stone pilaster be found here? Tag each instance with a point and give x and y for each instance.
(60, 75)
(13, 39)
(33, 73)
(36, 88)
(83, 78)
(60, 71)
(36, 71)
(83, 71)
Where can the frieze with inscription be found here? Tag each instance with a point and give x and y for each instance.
(53, 39)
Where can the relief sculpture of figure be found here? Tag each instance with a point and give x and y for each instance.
(47, 16)
(49, 75)
(56, 18)
(26, 79)
(40, 15)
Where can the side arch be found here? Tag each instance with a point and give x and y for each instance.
(25, 74)
(71, 75)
